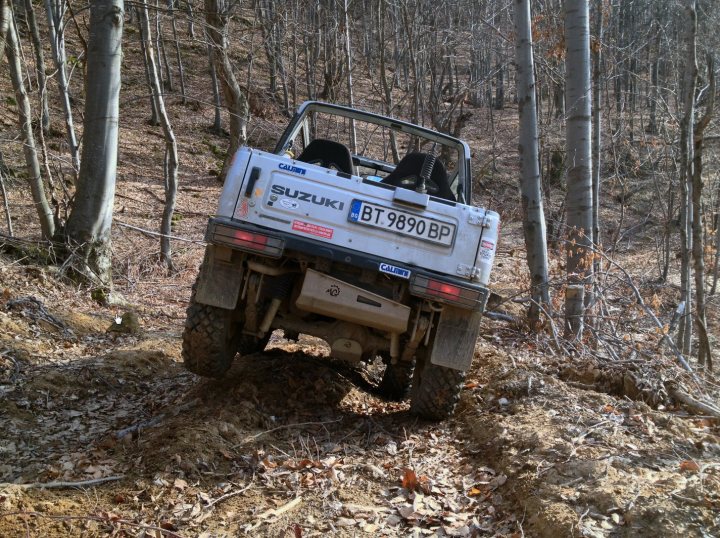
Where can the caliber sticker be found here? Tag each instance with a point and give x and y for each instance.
(289, 204)
(291, 168)
(392, 270)
(312, 229)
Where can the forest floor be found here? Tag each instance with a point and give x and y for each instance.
(292, 443)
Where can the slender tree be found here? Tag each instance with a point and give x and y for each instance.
(55, 10)
(88, 228)
(579, 201)
(39, 65)
(687, 123)
(704, 354)
(35, 181)
(217, 14)
(171, 154)
(530, 189)
(5, 16)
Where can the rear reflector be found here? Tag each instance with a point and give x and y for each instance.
(247, 240)
(446, 292)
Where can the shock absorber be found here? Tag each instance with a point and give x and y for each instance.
(426, 170)
(279, 288)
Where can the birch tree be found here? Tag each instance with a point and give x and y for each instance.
(88, 228)
(530, 189)
(579, 200)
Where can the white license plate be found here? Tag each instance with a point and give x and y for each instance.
(402, 222)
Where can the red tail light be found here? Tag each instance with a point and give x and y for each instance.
(447, 292)
(247, 240)
(442, 289)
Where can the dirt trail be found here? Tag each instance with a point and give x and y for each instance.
(292, 444)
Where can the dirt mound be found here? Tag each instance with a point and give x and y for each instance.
(587, 463)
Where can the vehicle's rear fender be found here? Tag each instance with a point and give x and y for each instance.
(221, 276)
(455, 337)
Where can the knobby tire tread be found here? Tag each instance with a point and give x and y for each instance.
(436, 392)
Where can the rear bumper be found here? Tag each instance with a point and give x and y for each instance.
(220, 232)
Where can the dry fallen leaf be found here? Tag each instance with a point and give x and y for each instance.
(690, 466)
(410, 480)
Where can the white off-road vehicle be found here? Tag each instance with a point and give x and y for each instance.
(356, 229)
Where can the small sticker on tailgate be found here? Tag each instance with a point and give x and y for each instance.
(312, 229)
(393, 270)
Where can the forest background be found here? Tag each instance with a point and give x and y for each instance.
(119, 161)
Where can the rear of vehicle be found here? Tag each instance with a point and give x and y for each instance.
(354, 230)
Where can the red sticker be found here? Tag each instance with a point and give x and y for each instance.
(243, 211)
(312, 229)
(488, 244)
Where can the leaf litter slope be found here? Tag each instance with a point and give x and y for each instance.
(292, 440)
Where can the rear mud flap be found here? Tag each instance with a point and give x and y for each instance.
(455, 338)
(220, 277)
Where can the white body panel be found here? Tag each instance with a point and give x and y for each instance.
(314, 202)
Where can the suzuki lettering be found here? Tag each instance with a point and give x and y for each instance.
(308, 197)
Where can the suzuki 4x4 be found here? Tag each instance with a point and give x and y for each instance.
(356, 229)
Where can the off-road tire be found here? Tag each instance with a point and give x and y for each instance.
(396, 381)
(435, 391)
(210, 340)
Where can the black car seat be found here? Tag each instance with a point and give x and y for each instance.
(329, 154)
(408, 170)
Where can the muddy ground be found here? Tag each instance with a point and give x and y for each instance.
(294, 444)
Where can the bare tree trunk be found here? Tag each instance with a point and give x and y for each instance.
(217, 16)
(55, 10)
(39, 65)
(386, 87)
(217, 123)
(181, 70)
(191, 19)
(5, 16)
(579, 176)
(6, 205)
(533, 215)
(153, 105)
(348, 61)
(171, 154)
(698, 241)
(88, 228)
(25, 121)
(597, 113)
(686, 172)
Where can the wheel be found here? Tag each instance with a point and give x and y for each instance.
(396, 380)
(435, 390)
(210, 340)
